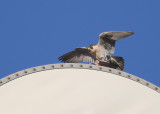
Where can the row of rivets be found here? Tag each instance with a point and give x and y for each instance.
(100, 68)
(129, 76)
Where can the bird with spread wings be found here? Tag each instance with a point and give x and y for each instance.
(99, 54)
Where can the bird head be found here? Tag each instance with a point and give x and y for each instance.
(90, 47)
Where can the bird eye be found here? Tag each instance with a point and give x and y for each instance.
(90, 47)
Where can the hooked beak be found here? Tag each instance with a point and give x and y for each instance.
(117, 35)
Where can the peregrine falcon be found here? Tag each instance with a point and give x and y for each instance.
(99, 54)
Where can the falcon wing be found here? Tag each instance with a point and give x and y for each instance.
(116, 63)
(107, 39)
(115, 35)
(78, 55)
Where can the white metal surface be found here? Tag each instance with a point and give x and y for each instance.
(77, 89)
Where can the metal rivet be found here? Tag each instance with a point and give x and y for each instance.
(137, 79)
(147, 83)
(43, 67)
(129, 76)
(34, 69)
(156, 88)
(71, 65)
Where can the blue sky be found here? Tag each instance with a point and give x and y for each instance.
(37, 32)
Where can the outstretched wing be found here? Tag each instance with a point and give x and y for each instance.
(107, 39)
(78, 55)
(115, 35)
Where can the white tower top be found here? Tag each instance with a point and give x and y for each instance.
(77, 89)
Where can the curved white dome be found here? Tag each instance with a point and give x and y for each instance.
(77, 89)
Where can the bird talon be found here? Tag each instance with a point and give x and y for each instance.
(94, 63)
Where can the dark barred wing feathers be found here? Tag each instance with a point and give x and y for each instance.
(116, 63)
(78, 55)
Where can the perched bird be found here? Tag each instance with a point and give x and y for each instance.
(99, 54)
